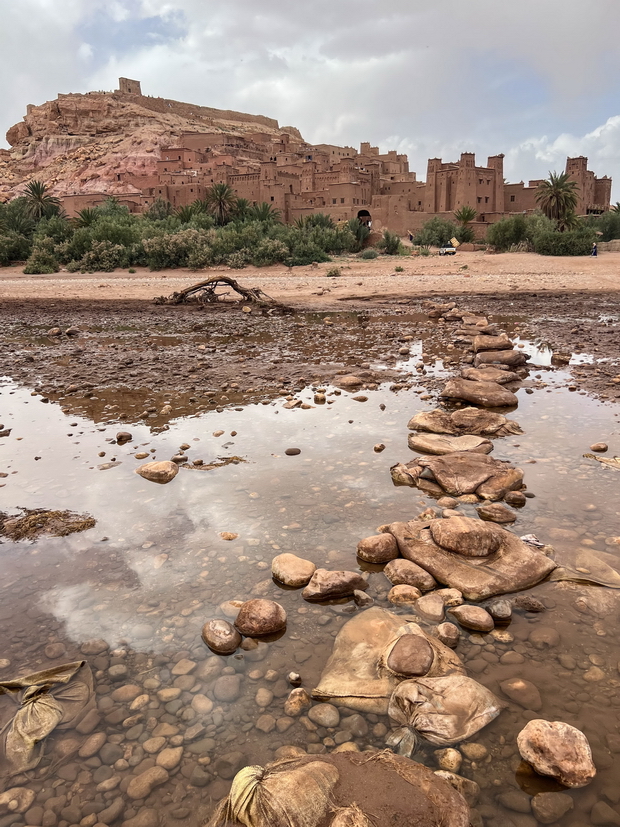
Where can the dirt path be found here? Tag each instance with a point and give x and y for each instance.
(464, 273)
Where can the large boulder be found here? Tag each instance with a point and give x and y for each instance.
(260, 617)
(292, 570)
(326, 585)
(359, 673)
(491, 373)
(514, 566)
(471, 538)
(487, 394)
(559, 750)
(460, 473)
(380, 548)
(439, 444)
(464, 421)
(511, 358)
(161, 472)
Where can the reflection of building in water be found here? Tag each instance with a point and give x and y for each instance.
(298, 178)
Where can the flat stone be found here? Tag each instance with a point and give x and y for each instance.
(170, 757)
(227, 688)
(126, 694)
(473, 617)
(496, 513)
(92, 745)
(559, 750)
(161, 472)
(201, 704)
(440, 444)
(153, 745)
(515, 800)
(332, 584)
(266, 723)
(142, 785)
(487, 394)
(471, 538)
(544, 637)
(183, 667)
(292, 570)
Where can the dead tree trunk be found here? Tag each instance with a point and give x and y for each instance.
(205, 292)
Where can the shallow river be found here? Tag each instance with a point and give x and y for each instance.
(154, 569)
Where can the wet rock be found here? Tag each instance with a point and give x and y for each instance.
(53, 651)
(515, 800)
(431, 606)
(227, 766)
(201, 704)
(450, 597)
(348, 381)
(260, 617)
(324, 715)
(297, 702)
(602, 814)
(16, 799)
(153, 745)
(169, 758)
(332, 584)
(92, 745)
(496, 513)
(292, 452)
(440, 444)
(515, 498)
(559, 750)
(118, 672)
(599, 447)
(465, 421)
(528, 603)
(263, 697)
(471, 538)
(544, 637)
(402, 595)
(362, 600)
(490, 373)
(500, 610)
(501, 342)
(550, 807)
(411, 656)
(123, 436)
(265, 723)
(294, 678)
(147, 817)
(110, 753)
(523, 693)
(449, 634)
(405, 573)
(473, 617)
(467, 788)
(511, 358)
(94, 647)
(292, 570)
(381, 548)
(126, 694)
(487, 394)
(221, 637)
(449, 759)
(161, 472)
(142, 785)
(227, 688)
(378, 448)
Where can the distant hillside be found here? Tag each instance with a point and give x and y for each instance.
(83, 143)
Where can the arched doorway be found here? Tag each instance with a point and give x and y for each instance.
(365, 218)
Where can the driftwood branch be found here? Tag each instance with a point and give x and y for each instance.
(206, 292)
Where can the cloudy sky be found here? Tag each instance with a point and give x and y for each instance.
(535, 79)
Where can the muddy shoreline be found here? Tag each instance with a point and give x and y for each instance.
(195, 359)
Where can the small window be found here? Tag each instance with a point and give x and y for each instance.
(486, 199)
(342, 200)
(333, 200)
(480, 200)
(272, 198)
(512, 198)
(419, 203)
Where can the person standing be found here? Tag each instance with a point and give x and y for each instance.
(594, 249)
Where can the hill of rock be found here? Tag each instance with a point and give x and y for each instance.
(84, 142)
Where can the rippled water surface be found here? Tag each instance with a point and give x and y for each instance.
(154, 569)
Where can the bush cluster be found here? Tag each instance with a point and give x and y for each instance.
(108, 236)
(539, 234)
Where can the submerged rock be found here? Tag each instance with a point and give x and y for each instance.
(559, 750)
(487, 394)
(523, 693)
(332, 584)
(161, 472)
(260, 617)
(221, 637)
(292, 570)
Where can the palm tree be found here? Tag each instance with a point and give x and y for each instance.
(557, 197)
(221, 200)
(14, 217)
(616, 207)
(86, 217)
(243, 209)
(39, 203)
(186, 213)
(266, 213)
(465, 215)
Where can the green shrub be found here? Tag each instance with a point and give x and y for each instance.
(571, 243)
(519, 232)
(13, 247)
(435, 233)
(104, 257)
(269, 251)
(55, 227)
(306, 252)
(390, 243)
(41, 261)
(369, 253)
(334, 272)
(399, 269)
(239, 260)
(171, 250)
(608, 224)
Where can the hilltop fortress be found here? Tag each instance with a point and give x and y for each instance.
(139, 149)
